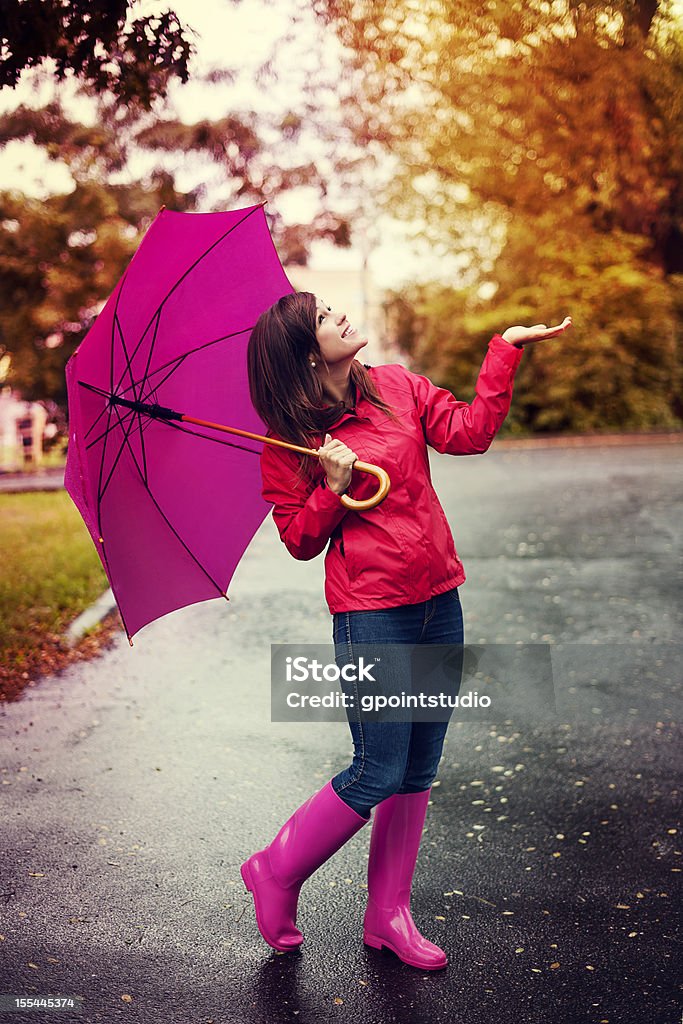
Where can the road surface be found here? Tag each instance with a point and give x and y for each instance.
(134, 786)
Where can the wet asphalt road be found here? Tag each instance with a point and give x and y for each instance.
(134, 786)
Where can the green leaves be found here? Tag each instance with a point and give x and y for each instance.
(541, 146)
(59, 259)
(91, 38)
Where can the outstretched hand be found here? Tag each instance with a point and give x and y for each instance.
(520, 336)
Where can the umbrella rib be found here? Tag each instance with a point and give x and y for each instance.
(142, 446)
(145, 425)
(100, 495)
(134, 384)
(111, 372)
(123, 417)
(129, 367)
(125, 441)
(100, 492)
(113, 331)
(189, 270)
(128, 412)
(133, 388)
(98, 417)
(169, 523)
(110, 426)
(155, 387)
(105, 394)
(178, 359)
(129, 359)
(163, 516)
(179, 538)
(93, 387)
(157, 321)
(101, 472)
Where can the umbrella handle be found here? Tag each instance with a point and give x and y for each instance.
(379, 495)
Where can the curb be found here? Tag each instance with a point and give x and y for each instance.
(588, 440)
(97, 611)
(42, 480)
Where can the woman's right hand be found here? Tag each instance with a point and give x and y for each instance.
(337, 460)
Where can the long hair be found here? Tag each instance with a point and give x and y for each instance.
(285, 391)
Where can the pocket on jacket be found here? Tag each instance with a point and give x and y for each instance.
(344, 550)
(448, 533)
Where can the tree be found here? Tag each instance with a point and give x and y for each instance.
(615, 374)
(515, 107)
(97, 41)
(542, 145)
(61, 256)
(252, 168)
(59, 259)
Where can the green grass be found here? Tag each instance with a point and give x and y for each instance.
(49, 573)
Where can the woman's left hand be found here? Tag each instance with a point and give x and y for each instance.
(520, 336)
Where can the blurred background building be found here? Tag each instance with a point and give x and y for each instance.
(350, 291)
(22, 431)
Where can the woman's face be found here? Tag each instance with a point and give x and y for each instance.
(337, 339)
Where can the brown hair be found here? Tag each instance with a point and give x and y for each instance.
(285, 391)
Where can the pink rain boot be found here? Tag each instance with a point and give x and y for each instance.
(394, 843)
(275, 874)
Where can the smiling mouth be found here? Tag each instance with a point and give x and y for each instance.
(348, 330)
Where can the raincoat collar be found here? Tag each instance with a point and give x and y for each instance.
(354, 409)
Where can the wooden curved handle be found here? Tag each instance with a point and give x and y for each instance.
(380, 494)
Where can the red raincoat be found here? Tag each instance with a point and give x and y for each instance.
(401, 551)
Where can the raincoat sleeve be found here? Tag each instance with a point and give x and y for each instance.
(456, 428)
(306, 514)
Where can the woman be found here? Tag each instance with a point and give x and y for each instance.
(391, 574)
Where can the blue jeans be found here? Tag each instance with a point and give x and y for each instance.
(393, 757)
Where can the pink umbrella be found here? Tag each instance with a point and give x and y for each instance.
(171, 508)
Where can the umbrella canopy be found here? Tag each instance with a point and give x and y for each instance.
(172, 506)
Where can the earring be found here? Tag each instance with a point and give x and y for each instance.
(312, 363)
